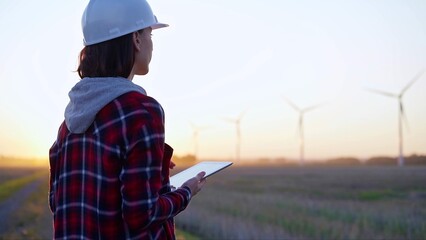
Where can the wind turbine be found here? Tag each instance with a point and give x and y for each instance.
(237, 122)
(301, 112)
(195, 133)
(401, 115)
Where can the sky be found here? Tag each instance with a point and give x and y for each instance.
(220, 59)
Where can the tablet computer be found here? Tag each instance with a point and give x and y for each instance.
(210, 167)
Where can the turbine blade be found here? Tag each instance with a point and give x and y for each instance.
(230, 120)
(242, 114)
(291, 104)
(312, 108)
(403, 116)
(204, 128)
(297, 129)
(387, 94)
(417, 77)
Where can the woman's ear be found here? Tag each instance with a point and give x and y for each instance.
(137, 41)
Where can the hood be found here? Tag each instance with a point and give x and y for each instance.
(90, 95)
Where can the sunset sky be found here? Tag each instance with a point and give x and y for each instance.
(224, 57)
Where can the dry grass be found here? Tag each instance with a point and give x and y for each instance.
(282, 203)
(9, 173)
(310, 203)
(33, 219)
(10, 185)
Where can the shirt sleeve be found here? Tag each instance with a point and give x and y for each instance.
(52, 159)
(141, 178)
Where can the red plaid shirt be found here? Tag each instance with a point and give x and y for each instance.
(112, 182)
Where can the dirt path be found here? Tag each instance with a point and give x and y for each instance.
(12, 204)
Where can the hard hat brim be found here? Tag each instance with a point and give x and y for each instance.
(159, 25)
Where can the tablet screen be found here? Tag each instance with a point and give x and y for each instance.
(210, 167)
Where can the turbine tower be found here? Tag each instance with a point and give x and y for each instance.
(301, 127)
(195, 133)
(401, 114)
(237, 122)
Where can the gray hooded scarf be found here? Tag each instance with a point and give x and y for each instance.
(90, 95)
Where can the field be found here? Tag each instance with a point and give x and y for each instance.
(310, 203)
(23, 209)
(362, 202)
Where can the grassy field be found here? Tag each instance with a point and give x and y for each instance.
(9, 173)
(275, 203)
(310, 203)
(10, 183)
(31, 220)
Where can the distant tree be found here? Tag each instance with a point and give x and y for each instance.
(344, 161)
(280, 160)
(415, 160)
(381, 161)
(185, 160)
(411, 160)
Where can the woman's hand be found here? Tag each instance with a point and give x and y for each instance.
(172, 164)
(195, 183)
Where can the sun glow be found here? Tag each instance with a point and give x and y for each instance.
(236, 56)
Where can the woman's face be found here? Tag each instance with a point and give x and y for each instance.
(143, 52)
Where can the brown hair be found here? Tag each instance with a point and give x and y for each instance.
(112, 58)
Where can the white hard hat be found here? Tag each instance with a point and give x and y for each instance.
(108, 19)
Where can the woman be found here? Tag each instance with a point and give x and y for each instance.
(109, 166)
